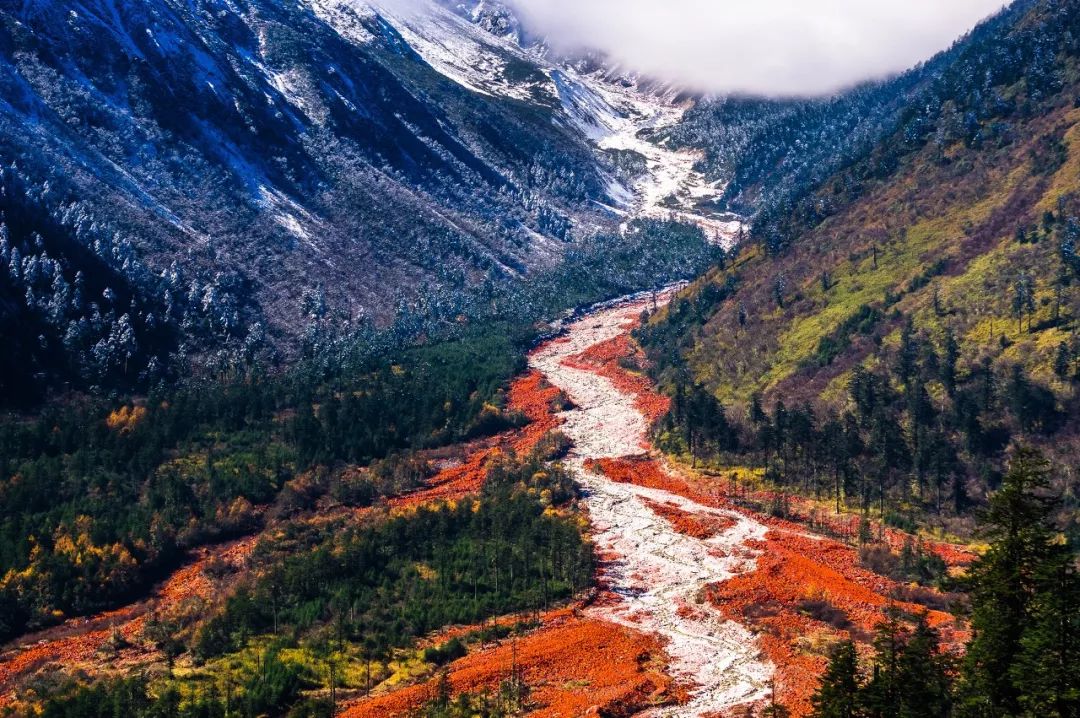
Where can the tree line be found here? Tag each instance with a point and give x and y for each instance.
(895, 446)
(1024, 655)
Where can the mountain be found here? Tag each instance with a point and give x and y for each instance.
(769, 153)
(336, 447)
(913, 314)
(214, 180)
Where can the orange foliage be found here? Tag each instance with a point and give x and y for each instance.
(603, 359)
(533, 396)
(574, 667)
(795, 573)
(125, 418)
(846, 525)
(700, 527)
(451, 483)
(803, 593)
(78, 641)
(530, 395)
(651, 473)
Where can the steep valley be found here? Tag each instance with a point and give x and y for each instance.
(663, 590)
(375, 358)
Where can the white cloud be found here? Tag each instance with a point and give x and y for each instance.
(773, 47)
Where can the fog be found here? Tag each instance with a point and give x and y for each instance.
(770, 47)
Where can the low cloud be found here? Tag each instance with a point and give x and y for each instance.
(769, 47)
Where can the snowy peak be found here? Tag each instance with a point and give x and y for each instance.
(482, 46)
(497, 19)
(477, 46)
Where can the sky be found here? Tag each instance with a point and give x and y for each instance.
(766, 47)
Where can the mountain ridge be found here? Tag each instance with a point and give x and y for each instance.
(250, 174)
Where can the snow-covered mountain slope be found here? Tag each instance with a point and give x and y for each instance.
(242, 169)
(482, 47)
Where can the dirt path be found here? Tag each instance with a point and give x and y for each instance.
(653, 575)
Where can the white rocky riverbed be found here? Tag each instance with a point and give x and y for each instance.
(656, 574)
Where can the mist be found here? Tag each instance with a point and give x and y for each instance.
(764, 47)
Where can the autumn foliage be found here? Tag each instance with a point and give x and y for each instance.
(805, 593)
(611, 359)
(576, 666)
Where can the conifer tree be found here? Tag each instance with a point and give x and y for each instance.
(838, 695)
(1003, 583)
(882, 694)
(925, 675)
(1047, 669)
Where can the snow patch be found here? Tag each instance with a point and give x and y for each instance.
(287, 214)
(621, 116)
(612, 111)
(453, 45)
(347, 18)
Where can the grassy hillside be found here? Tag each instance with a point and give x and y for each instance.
(940, 269)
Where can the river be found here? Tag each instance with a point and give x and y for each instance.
(655, 574)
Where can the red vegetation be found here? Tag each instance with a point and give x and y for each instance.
(533, 396)
(451, 483)
(81, 641)
(818, 518)
(651, 473)
(700, 527)
(574, 667)
(805, 592)
(604, 358)
(530, 395)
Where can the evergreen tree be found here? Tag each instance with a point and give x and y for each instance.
(838, 696)
(1062, 360)
(911, 676)
(883, 692)
(908, 353)
(949, 361)
(1003, 584)
(1047, 669)
(925, 675)
(1023, 300)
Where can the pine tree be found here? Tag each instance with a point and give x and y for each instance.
(908, 354)
(1047, 669)
(1023, 300)
(1062, 360)
(883, 692)
(949, 362)
(1003, 582)
(779, 289)
(838, 695)
(925, 675)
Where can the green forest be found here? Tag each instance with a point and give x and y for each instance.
(96, 502)
(335, 614)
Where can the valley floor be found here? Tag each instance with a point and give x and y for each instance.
(701, 606)
(719, 602)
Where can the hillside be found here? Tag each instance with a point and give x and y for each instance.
(924, 297)
(192, 186)
(770, 154)
(375, 358)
